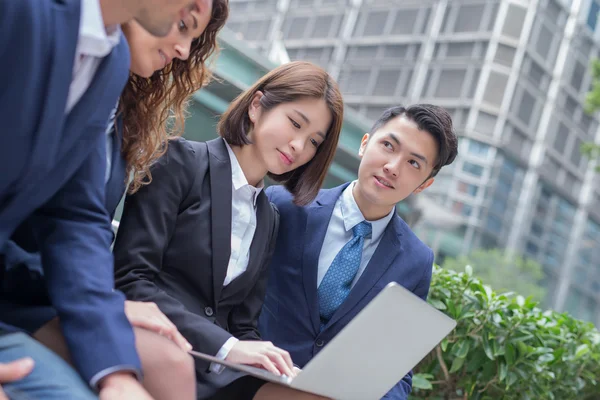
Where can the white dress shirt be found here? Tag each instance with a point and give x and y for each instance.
(345, 216)
(243, 218)
(243, 227)
(93, 44)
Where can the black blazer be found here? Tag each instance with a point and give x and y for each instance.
(174, 243)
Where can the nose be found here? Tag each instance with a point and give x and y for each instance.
(182, 51)
(392, 168)
(297, 145)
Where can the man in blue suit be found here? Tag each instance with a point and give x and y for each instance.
(69, 65)
(334, 255)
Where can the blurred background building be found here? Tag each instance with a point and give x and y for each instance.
(514, 76)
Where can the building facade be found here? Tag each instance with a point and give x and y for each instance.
(513, 73)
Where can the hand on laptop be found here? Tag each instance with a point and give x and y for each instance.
(264, 355)
(148, 316)
(14, 371)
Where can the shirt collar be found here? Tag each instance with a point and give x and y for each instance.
(352, 215)
(238, 178)
(95, 39)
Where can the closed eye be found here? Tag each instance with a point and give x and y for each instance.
(296, 125)
(182, 26)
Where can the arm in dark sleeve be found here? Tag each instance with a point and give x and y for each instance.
(148, 222)
(74, 233)
(404, 387)
(243, 320)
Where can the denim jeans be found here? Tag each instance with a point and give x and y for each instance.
(52, 378)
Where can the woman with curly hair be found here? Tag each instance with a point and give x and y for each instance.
(164, 73)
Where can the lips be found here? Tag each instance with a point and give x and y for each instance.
(286, 158)
(165, 58)
(383, 182)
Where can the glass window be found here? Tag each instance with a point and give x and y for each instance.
(450, 83)
(361, 53)
(386, 83)
(513, 23)
(505, 55)
(395, 51)
(494, 223)
(322, 27)
(526, 107)
(560, 140)
(494, 92)
(473, 169)
(375, 23)
(468, 188)
(485, 123)
(536, 74)
(469, 18)
(460, 49)
(571, 106)
(544, 41)
(462, 209)
(531, 249)
(297, 26)
(592, 18)
(499, 205)
(478, 148)
(536, 229)
(474, 79)
(405, 22)
(577, 76)
(354, 81)
(576, 152)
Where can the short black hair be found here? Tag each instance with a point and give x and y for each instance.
(433, 119)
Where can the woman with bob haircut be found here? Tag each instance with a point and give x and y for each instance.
(197, 241)
(164, 73)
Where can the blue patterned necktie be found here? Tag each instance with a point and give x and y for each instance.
(336, 283)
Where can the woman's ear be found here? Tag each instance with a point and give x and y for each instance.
(254, 109)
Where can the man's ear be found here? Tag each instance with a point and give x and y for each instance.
(424, 185)
(254, 109)
(363, 145)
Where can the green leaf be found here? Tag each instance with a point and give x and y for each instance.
(437, 304)
(488, 348)
(469, 271)
(457, 364)
(421, 381)
(510, 354)
(581, 351)
(503, 370)
(463, 349)
(444, 344)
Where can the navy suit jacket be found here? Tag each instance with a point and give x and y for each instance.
(290, 315)
(52, 174)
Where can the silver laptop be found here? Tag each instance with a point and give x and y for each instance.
(372, 353)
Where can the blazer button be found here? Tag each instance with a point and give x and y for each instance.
(319, 343)
(208, 311)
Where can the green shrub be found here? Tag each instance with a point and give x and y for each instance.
(505, 347)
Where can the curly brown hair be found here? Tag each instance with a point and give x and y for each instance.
(147, 105)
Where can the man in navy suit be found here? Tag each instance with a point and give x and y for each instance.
(69, 65)
(334, 255)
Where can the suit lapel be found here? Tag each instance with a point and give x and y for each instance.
(388, 249)
(258, 247)
(116, 181)
(317, 221)
(220, 213)
(65, 34)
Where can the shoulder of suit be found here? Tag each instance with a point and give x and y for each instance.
(409, 237)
